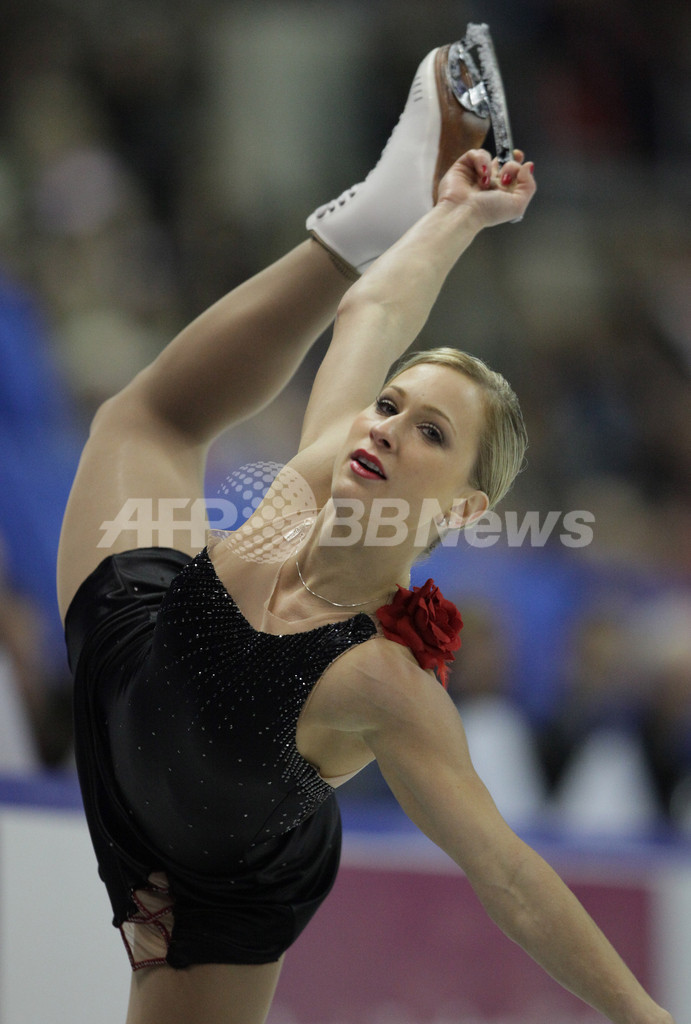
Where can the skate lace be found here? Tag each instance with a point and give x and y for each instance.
(416, 94)
(341, 201)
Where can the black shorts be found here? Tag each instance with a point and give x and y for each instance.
(109, 631)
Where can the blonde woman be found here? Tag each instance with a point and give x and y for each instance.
(222, 697)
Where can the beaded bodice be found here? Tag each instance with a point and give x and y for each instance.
(209, 722)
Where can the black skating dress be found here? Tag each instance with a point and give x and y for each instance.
(209, 826)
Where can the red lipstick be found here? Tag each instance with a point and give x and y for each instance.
(366, 465)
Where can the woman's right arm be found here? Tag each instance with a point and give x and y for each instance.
(382, 314)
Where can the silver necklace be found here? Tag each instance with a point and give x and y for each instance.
(336, 604)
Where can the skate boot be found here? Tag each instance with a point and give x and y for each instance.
(455, 97)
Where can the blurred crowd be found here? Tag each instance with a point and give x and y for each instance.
(153, 154)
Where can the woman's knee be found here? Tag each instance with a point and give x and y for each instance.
(123, 411)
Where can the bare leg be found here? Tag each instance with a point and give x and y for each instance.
(241, 352)
(150, 440)
(207, 993)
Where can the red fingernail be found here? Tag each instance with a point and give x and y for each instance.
(531, 168)
(506, 178)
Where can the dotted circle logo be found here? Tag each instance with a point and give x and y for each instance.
(279, 508)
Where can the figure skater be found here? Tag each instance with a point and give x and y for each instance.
(221, 696)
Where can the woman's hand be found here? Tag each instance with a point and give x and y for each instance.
(495, 192)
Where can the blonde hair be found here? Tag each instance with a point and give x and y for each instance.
(503, 441)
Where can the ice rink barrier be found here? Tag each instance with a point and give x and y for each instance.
(401, 940)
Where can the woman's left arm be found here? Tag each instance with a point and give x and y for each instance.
(414, 730)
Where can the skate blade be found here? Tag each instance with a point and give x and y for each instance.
(486, 97)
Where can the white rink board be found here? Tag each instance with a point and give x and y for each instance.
(673, 939)
(61, 961)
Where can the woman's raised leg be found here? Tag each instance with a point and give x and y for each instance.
(149, 443)
(238, 355)
(143, 463)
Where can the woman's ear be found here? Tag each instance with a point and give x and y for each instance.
(465, 511)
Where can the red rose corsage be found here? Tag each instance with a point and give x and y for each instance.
(423, 620)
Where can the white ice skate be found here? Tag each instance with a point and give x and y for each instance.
(457, 93)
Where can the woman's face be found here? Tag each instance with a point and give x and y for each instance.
(417, 443)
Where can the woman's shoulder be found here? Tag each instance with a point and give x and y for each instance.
(373, 679)
(382, 658)
(423, 620)
(418, 633)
